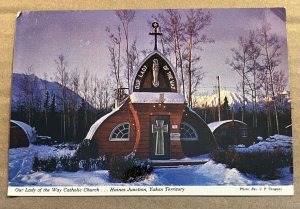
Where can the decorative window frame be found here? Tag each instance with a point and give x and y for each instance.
(115, 129)
(193, 129)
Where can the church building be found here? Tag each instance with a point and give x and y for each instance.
(154, 121)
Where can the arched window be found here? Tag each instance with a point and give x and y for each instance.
(120, 132)
(187, 132)
(244, 132)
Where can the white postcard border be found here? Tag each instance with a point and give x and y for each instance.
(265, 190)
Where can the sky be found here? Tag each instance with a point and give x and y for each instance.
(80, 35)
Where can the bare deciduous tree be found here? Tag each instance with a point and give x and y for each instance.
(238, 64)
(62, 77)
(126, 16)
(280, 82)
(114, 47)
(254, 68)
(172, 27)
(75, 87)
(28, 92)
(197, 20)
(86, 96)
(271, 58)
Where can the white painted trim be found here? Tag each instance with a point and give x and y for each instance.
(193, 129)
(115, 128)
(119, 140)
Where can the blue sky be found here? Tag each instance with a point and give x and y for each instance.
(81, 37)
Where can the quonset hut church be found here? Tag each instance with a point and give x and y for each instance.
(154, 120)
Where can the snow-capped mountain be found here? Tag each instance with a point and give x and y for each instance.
(234, 100)
(25, 85)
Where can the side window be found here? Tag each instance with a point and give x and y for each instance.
(244, 133)
(120, 132)
(187, 132)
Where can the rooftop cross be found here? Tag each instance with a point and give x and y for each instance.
(155, 25)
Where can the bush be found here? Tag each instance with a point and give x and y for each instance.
(263, 165)
(87, 149)
(86, 157)
(128, 169)
(49, 164)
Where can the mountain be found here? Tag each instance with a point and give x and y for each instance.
(234, 100)
(25, 85)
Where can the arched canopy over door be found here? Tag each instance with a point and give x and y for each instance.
(155, 74)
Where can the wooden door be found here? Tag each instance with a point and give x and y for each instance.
(160, 138)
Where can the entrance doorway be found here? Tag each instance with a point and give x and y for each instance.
(160, 138)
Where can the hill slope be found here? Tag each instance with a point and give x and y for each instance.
(24, 86)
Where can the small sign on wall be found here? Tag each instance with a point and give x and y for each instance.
(174, 126)
(175, 136)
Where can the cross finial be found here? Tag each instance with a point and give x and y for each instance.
(155, 25)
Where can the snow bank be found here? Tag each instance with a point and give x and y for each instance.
(208, 174)
(276, 142)
(157, 97)
(21, 159)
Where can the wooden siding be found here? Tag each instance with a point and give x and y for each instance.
(103, 133)
(144, 112)
(139, 117)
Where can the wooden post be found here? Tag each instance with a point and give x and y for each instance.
(219, 98)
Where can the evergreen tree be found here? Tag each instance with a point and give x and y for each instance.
(46, 108)
(81, 123)
(53, 128)
(225, 109)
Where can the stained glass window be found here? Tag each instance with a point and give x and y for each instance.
(120, 132)
(188, 133)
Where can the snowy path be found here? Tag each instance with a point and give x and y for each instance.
(20, 159)
(210, 173)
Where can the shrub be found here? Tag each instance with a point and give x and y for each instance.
(128, 169)
(86, 157)
(87, 149)
(49, 164)
(261, 164)
(95, 164)
(67, 163)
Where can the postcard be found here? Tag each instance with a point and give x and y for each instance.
(151, 102)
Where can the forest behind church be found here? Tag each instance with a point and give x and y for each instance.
(66, 107)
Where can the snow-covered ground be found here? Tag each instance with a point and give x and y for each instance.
(276, 142)
(210, 173)
(20, 159)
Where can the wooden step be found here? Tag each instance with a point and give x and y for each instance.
(175, 163)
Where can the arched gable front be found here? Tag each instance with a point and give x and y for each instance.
(155, 74)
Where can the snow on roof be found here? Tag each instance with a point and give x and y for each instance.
(214, 125)
(289, 126)
(29, 131)
(157, 97)
(96, 125)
